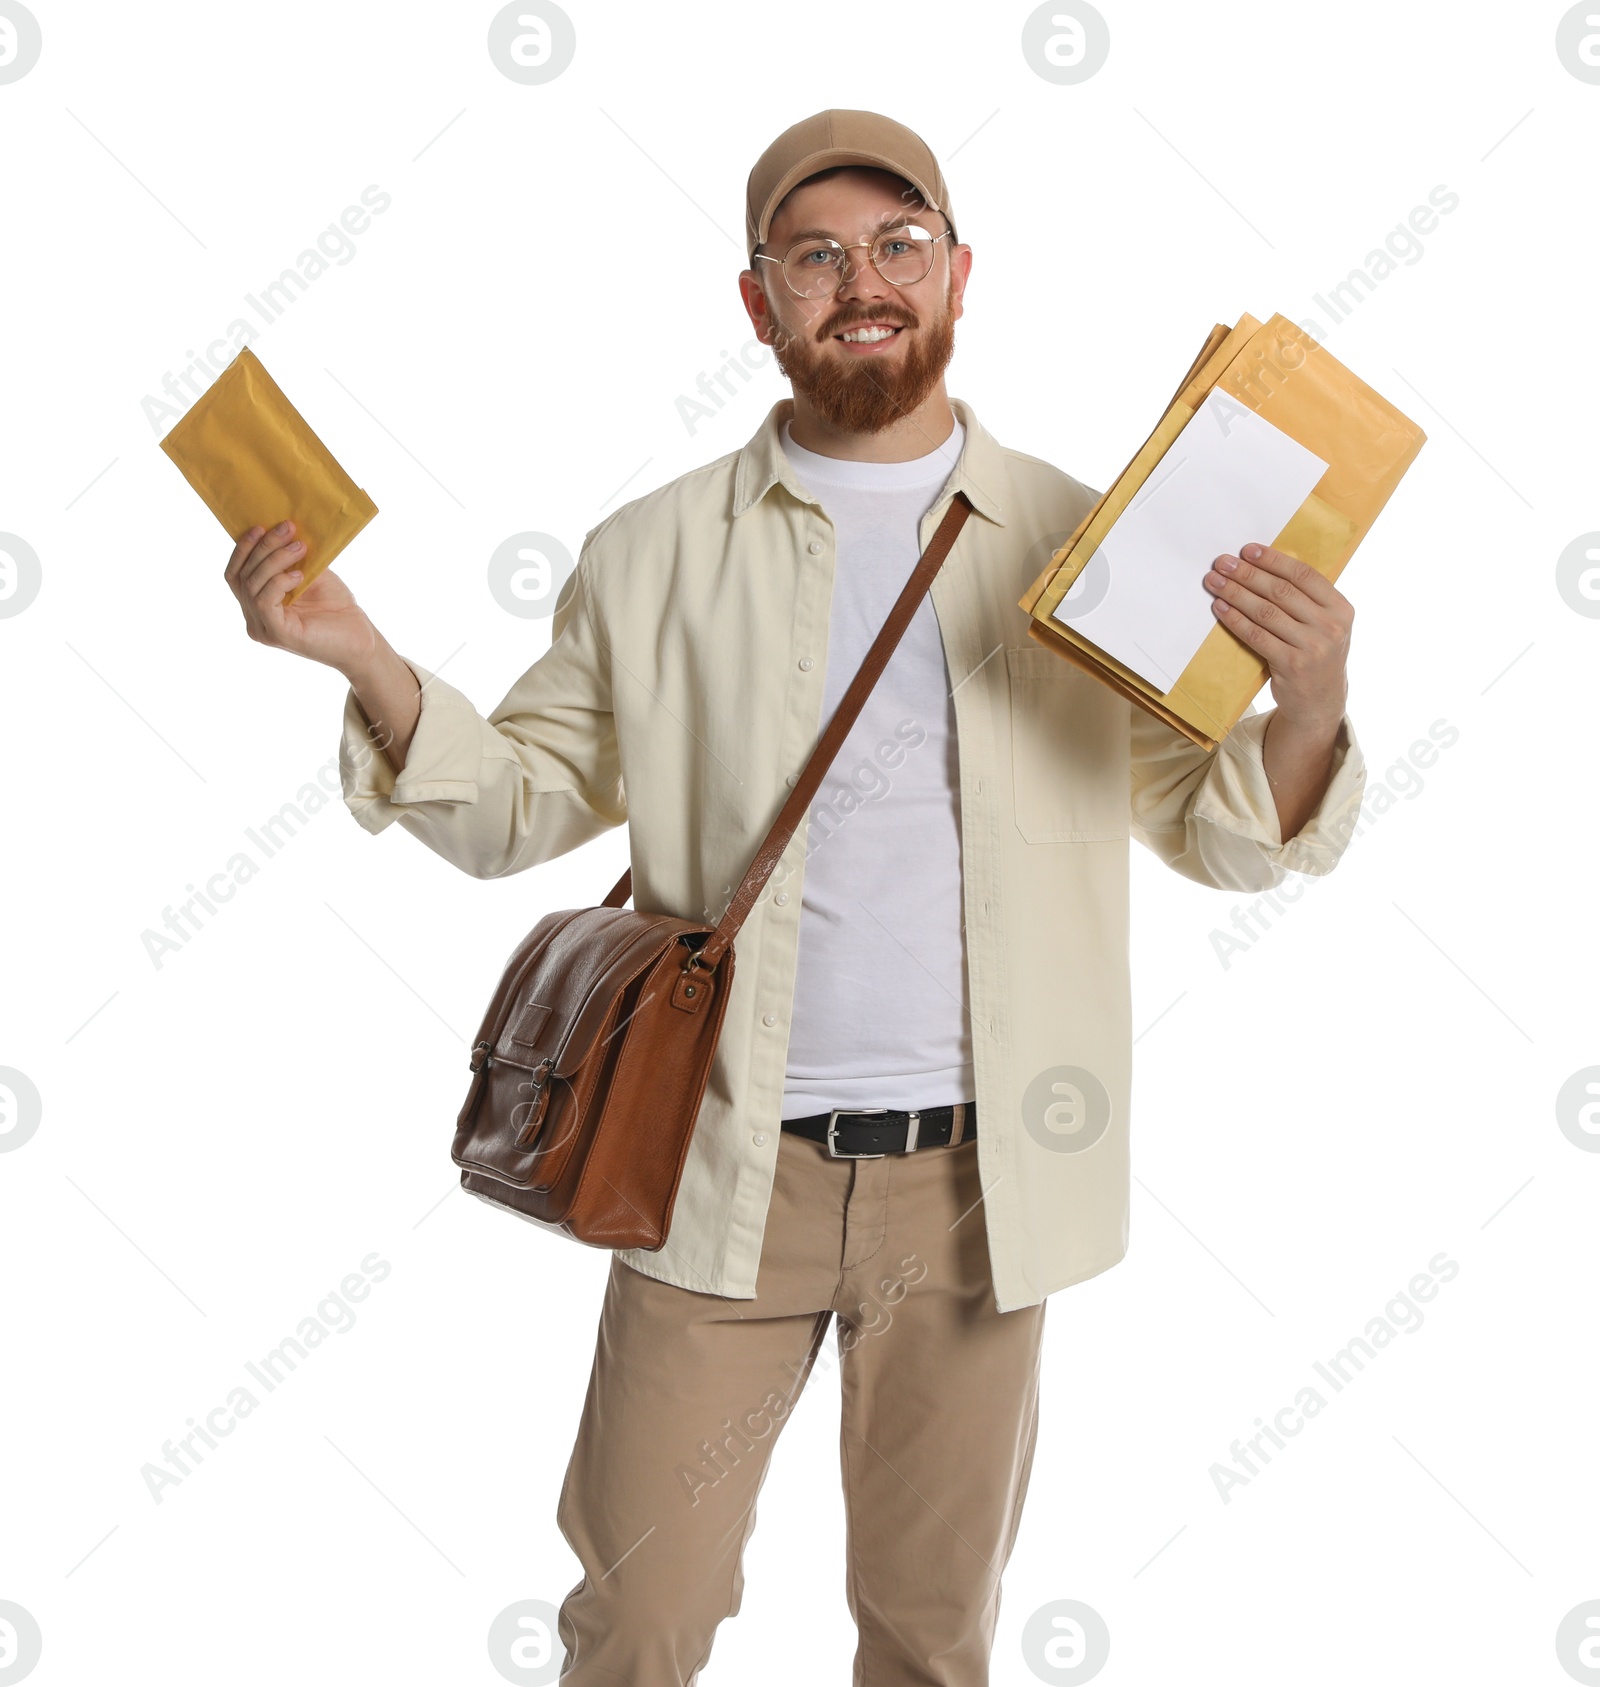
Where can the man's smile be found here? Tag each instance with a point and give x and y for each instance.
(864, 338)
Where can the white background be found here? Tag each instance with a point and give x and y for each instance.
(1371, 1082)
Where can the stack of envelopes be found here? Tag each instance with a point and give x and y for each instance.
(1269, 438)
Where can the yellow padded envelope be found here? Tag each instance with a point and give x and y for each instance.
(1281, 373)
(255, 461)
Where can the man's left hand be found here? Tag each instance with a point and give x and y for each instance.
(1296, 621)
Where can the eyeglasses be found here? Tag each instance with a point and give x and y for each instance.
(813, 268)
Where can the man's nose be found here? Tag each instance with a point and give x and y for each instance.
(860, 279)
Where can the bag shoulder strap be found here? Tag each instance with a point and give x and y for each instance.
(828, 745)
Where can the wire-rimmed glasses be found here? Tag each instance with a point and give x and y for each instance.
(814, 267)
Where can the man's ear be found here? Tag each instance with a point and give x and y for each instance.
(756, 305)
(960, 269)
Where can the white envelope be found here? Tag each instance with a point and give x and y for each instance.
(1230, 477)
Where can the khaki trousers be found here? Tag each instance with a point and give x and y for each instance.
(689, 1393)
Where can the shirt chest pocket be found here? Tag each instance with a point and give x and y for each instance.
(1069, 750)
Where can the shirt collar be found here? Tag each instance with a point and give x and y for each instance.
(763, 463)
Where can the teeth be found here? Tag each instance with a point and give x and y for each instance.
(865, 336)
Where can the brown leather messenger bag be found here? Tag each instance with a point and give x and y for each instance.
(590, 1064)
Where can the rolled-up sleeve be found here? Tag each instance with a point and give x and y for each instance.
(493, 795)
(1211, 816)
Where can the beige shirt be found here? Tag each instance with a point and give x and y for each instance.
(682, 694)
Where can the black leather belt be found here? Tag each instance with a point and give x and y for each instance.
(868, 1133)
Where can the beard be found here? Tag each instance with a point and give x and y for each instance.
(865, 395)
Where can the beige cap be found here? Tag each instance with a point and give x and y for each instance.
(824, 142)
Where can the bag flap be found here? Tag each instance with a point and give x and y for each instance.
(574, 981)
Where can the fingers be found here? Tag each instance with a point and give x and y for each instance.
(274, 588)
(1264, 612)
(263, 568)
(1295, 619)
(1272, 649)
(257, 545)
(240, 552)
(1286, 578)
(1282, 594)
(254, 545)
(277, 566)
(261, 557)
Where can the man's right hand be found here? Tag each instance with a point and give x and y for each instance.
(325, 623)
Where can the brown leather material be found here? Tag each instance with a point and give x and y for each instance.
(592, 1058)
(585, 1131)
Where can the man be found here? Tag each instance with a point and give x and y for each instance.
(917, 1119)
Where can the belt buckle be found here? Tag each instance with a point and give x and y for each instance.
(833, 1129)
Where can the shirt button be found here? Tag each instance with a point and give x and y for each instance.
(792, 780)
(781, 897)
(769, 1019)
(806, 664)
(815, 547)
(760, 1139)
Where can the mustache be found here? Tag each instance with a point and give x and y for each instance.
(853, 317)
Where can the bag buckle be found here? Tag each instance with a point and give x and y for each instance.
(833, 1130)
(536, 1107)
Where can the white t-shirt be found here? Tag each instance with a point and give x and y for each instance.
(880, 1012)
